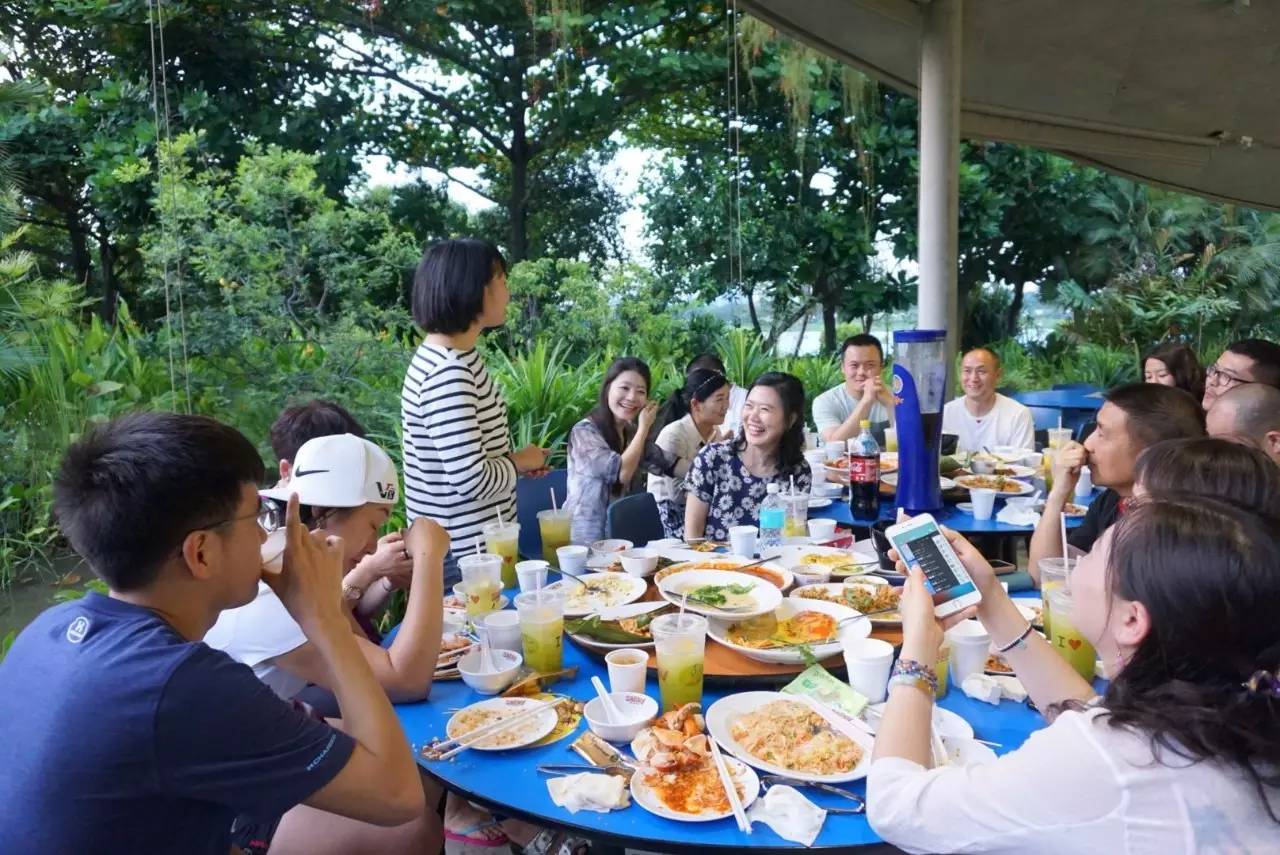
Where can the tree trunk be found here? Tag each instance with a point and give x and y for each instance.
(518, 214)
(804, 328)
(755, 317)
(829, 322)
(1015, 309)
(81, 265)
(110, 289)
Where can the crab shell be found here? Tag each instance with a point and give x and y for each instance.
(675, 719)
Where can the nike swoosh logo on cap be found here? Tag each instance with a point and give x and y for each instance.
(302, 472)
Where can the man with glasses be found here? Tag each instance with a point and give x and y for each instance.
(982, 417)
(838, 412)
(123, 732)
(1250, 360)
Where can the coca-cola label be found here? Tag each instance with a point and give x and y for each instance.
(864, 470)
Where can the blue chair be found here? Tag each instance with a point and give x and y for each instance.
(634, 518)
(1074, 387)
(1045, 417)
(1086, 428)
(533, 495)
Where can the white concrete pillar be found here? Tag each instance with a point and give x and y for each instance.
(940, 70)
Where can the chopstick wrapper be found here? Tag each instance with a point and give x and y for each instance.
(789, 814)
(589, 791)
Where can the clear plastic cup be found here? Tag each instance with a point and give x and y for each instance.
(1065, 638)
(481, 583)
(542, 629)
(1054, 573)
(890, 439)
(1059, 437)
(554, 526)
(680, 643)
(504, 539)
(797, 514)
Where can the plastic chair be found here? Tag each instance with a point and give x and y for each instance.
(1074, 387)
(1084, 429)
(634, 518)
(533, 495)
(1045, 417)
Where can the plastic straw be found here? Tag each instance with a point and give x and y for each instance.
(684, 599)
(1059, 419)
(793, 485)
(553, 499)
(1062, 519)
(500, 516)
(477, 546)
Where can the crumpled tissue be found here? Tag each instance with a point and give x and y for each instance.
(789, 814)
(1010, 687)
(589, 791)
(990, 688)
(1012, 515)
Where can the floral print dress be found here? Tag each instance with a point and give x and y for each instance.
(733, 495)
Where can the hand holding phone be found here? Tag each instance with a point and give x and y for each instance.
(921, 545)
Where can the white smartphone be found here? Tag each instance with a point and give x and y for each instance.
(921, 544)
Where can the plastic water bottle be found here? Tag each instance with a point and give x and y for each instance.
(773, 516)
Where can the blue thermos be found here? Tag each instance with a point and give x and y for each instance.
(919, 392)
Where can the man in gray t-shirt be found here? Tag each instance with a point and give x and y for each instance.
(838, 412)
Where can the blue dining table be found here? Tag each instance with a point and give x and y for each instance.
(949, 515)
(508, 783)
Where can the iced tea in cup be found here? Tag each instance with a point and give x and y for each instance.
(481, 583)
(1065, 638)
(796, 524)
(941, 667)
(890, 439)
(542, 628)
(504, 539)
(553, 525)
(680, 643)
(1059, 437)
(1054, 573)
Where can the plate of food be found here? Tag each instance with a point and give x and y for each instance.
(721, 593)
(772, 572)
(677, 778)
(996, 665)
(841, 562)
(888, 462)
(862, 597)
(783, 635)
(1003, 485)
(494, 710)
(598, 591)
(789, 735)
(892, 480)
(837, 471)
(618, 628)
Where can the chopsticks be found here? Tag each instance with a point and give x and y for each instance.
(730, 789)
(482, 733)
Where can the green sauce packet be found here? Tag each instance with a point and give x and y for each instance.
(818, 683)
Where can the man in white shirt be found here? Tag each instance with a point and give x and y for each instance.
(838, 412)
(982, 417)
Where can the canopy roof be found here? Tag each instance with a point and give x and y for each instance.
(1181, 93)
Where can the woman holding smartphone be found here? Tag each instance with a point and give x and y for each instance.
(1179, 754)
(729, 480)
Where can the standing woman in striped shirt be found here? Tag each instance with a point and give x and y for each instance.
(459, 467)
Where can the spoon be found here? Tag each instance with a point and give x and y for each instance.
(612, 714)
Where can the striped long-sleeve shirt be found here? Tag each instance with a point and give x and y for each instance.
(456, 440)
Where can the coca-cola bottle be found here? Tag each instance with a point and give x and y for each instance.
(864, 475)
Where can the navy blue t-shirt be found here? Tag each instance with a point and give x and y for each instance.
(117, 735)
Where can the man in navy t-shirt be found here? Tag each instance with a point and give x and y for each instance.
(122, 731)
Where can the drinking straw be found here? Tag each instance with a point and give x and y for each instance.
(477, 546)
(500, 516)
(553, 499)
(1062, 519)
(684, 599)
(1059, 419)
(793, 485)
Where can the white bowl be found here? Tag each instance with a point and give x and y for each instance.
(810, 574)
(1011, 453)
(640, 708)
(572, 559)
(490, 682)
(639, 562)
(984, 465)
(610, 547)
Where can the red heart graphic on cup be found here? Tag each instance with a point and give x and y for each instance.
(1075, 643)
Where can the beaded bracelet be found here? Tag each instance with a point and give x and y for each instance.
(911, 670)
(1022, 636)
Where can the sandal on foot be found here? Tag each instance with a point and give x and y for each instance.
(476, 835)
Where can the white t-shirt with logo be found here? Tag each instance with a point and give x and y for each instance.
(257, 632)
(1006, 423)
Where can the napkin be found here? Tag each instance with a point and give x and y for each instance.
(589, 791)
(789, 814)
(1011, 515)
(1010, 687)
(982, 687)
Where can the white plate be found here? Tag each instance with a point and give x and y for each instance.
(725, 711)
(526, 733)
(863, 581)
(628, 588)
(767, 596)
(791, 556)
(819, 502)
(739, 771)
(967, 752)
(718, 629)
(949, 724)
(782, 577)
(617, 613)
(1023, 487)
(891, 479)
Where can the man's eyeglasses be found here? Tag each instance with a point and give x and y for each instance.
(270, 516)
(1216, 376)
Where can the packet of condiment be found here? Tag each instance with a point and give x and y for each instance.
(532, 682)
(818, 683)
(596, 751)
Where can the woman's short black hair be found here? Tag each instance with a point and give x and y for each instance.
(129, 492)
(448, 287)
(295, 426)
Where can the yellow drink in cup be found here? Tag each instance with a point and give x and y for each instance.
(542, 629)
(796, 523)
(504, 539)
(1054, 573)
(554, 528)
(1059, 437)
(481, 583)
(942, 667)
(890, 439)
(680, 643)
(1066, 639)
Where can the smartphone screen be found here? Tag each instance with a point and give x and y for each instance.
(924, 546)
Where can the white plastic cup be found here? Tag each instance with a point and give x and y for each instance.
(834, 450)
(532, 575)
(816, 459)
(627, 670)
(504, 629)
(1035, 460)
(572, 559)
(868, 661)
(984, 503)
(821, 530)
(742, 540)
(1084, 486)
(970, 644)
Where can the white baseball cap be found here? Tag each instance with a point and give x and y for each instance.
(340, 471)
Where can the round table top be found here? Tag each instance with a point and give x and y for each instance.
(508, 783)
(951, 516)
